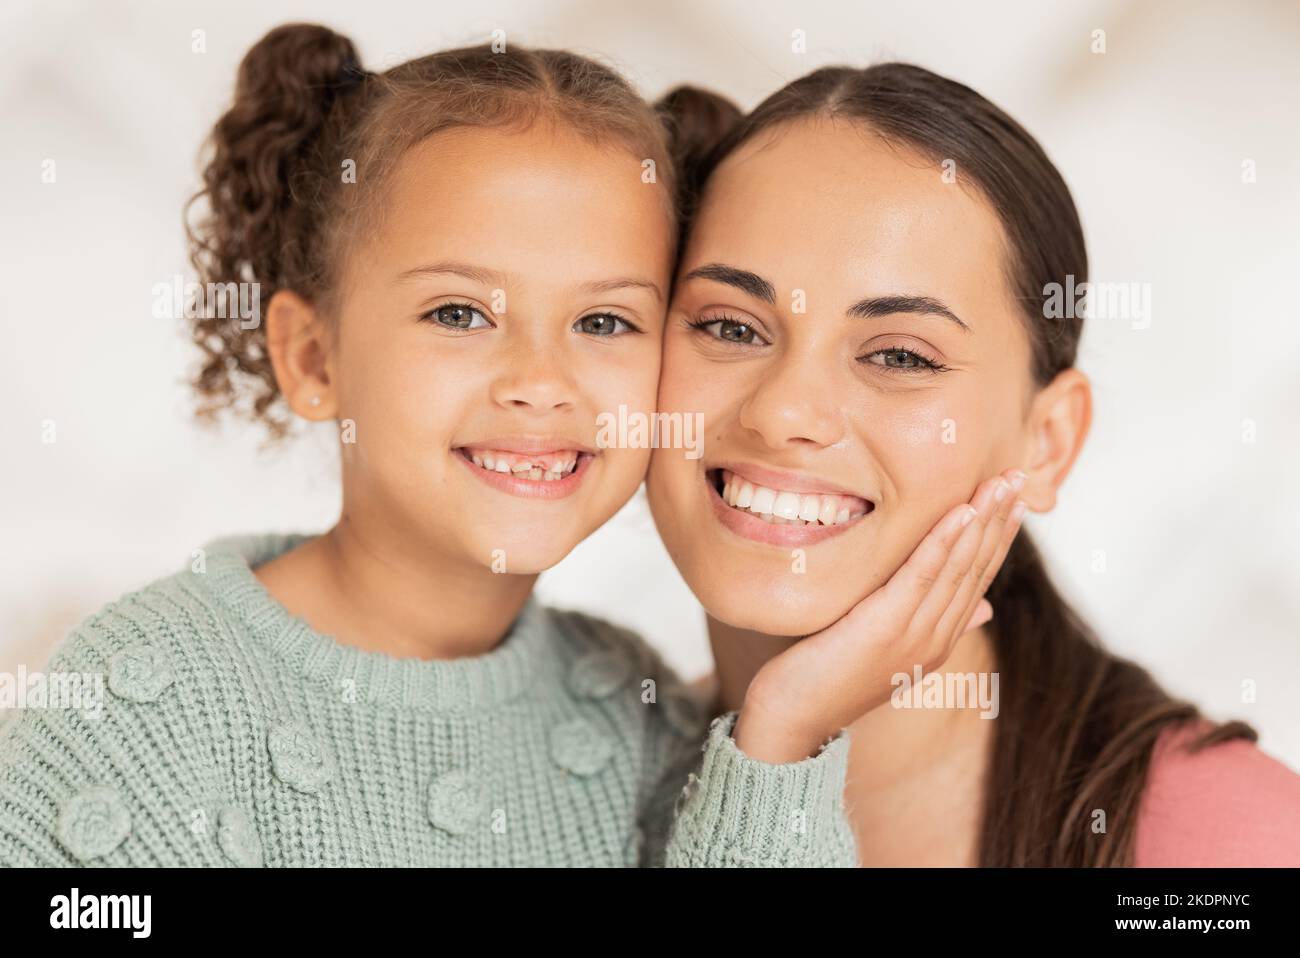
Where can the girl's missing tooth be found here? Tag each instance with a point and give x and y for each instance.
(463, 261)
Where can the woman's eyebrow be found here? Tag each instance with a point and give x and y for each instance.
(889, 305)
(742, 279)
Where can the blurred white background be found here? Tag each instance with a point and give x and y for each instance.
(1197, 525)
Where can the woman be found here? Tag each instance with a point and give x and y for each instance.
(859, 316)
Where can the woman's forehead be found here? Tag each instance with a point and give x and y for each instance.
(835, 205)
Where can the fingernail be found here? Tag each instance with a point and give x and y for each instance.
(1017, 480)
(1018, 510)
(1000, 490)
(967, 516)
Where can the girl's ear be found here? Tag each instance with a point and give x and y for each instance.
(1059, 419)
(298, 340)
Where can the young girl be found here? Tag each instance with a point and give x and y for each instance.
(465, 260)
(859, 316)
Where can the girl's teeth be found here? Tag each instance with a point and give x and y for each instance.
(788, 508)
(506, 464)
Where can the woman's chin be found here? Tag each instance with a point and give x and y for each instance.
(803, 616)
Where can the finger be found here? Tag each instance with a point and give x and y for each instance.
(932, 606)
(889, 609)
(983, 613)
(1009, 531)
(972, 587)
(907, 587)
(1014, 521)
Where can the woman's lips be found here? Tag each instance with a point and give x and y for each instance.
(849, 510)
(519, 483)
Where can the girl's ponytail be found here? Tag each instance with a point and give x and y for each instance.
(262, 184)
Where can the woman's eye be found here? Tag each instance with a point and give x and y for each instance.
(602, 324)
(903, 359)
(730, 331)
(458, 316)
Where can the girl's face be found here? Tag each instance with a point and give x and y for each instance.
(842, 321)
(514, 290)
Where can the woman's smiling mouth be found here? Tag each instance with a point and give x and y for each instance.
(761, 506)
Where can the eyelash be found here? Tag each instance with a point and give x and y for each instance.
(431, 316)
(929, 363)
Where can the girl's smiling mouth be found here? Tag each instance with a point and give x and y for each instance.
(762, 506)
(529, 469)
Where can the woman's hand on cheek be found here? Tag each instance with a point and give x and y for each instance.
(824, 683)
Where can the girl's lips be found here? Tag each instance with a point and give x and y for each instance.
(747, 525)
(530, 488)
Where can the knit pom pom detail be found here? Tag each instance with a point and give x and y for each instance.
(298, 759)
(598, 675)
(577, 746)
(93, 822)
(455, 802)
(140, 673)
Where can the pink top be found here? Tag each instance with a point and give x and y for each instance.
(1228, 806)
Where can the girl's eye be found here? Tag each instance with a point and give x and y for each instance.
(903, 360)
(458, 316)
(603, 324)
(729, 330)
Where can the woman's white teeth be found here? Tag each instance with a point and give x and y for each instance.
(549, 468)
(781, 508)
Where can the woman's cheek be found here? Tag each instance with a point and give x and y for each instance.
(931, 457)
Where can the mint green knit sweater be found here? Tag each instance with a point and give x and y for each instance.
(229, 733)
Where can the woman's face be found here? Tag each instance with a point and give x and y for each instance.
(843, 323)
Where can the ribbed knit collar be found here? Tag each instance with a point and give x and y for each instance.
(457, 685)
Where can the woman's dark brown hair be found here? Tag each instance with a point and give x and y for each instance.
(1078, 725)
(298, 163)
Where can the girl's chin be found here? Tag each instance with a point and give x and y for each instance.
(512, 554)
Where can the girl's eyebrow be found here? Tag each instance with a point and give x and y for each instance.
(490, 277)
(475, 274)
(610, 285)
